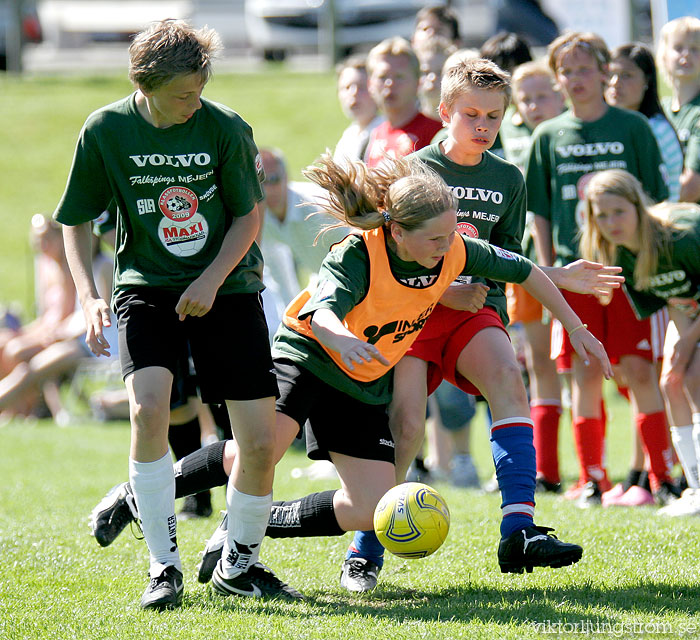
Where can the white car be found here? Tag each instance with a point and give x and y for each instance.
(275, 27)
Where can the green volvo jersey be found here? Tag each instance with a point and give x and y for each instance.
(344, 281)
(686, 122)
(677, 274)
(490, 206)
(176, 189)
(565, 153)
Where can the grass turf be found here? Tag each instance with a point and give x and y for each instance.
(637, 578)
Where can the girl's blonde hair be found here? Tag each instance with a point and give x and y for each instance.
(584, 41)
(684, 26)
(653, 228)
(404, 191)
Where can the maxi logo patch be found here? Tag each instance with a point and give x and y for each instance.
(467, 229)
(178, 203)
(184, 239)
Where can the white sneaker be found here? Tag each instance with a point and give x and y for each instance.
(463, 473)
(687, 505)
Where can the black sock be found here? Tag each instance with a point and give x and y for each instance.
(185, 438)
(632, 478)
(310, 516)
(644, 481)
(201, 470)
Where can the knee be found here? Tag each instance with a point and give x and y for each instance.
(640, 376)
(671, 386)
(407, 426)
(259, 449)
(149, 410)
(507, 379)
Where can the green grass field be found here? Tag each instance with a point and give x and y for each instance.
(638, 577)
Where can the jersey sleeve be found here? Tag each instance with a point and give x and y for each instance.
(490, 261)
(343, 280)
(692, 151)
(241, 171)
(537, 177)
(651, 169)
(88, 191)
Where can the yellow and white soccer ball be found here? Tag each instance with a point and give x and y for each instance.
(412, 520)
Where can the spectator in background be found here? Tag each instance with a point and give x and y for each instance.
(394, 74)
(527, 18)
(432, 55)
(507, 50)
(436, 21)
(358, 106)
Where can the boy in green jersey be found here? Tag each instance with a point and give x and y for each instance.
(185, 175)
(566, 151)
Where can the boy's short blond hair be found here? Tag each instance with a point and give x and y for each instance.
(171, 48)
(357, 62)
(393, 48)
(534, 69)
(584, 41)
(684, 26)
(474, 73)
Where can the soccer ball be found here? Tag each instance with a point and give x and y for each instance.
(412, 520)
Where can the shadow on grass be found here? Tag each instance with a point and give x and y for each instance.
(471, 602)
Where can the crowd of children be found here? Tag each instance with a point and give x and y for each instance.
(460, 171)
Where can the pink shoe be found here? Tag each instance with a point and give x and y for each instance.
(634, 497)
(615, 493)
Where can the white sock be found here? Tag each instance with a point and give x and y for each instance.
(248, 518)
(684, 444)
(153, 484)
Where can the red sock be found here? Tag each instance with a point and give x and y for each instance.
(654, 434)
(589, 439)
(546, 439)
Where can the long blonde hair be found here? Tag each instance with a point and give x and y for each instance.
(402, 190)
(653, 228)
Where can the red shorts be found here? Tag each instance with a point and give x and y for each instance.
(615, 325)
(442, 339)
(522, 307)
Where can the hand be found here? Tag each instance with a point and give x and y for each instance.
(354, 350)
(587, 277)
(197, 299)
(586, 345)
(687, 306)
(97, 316)
(465, 297)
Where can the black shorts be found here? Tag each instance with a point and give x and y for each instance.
(333, 420)
(229, 345)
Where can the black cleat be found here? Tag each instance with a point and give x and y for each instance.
(359, 575)
(542, 485)
(165, 591)
(212, 551)
(590, 496)
(113, 513)
(257, 582)
(197, 505)
(535, 547)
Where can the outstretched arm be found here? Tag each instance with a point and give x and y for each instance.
(584, 343)
(586, 277)
(78, 243)
(332, 333)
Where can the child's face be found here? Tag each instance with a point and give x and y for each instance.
(536, 100)
(431, 74)
(627, 84)
(429, 27)
(580, 77)
(354, 97)
(393, 83)
(616, 218)
(177, 101)
(682, 56)
(473, 119)
(429, 243)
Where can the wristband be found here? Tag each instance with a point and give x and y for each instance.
(581, 326)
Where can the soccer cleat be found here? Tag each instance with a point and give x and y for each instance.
(542, 485)
(197, 505)
(535, 547)
(164, 591)
(212, 551)
(635, 496)
(666, 494)
(359, 575)
(257, 582)
(113, 513)
(687, 505)
(590, 496)
(463, 473)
